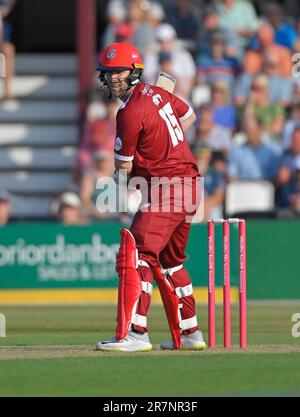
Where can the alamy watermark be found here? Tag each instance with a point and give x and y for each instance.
(296, 326)
(2, 66)
(296, 66)
(159, 194)
(2, 325)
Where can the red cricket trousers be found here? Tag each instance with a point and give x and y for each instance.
(161, 238)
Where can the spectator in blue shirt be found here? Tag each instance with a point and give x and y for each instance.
(211, 24)
(289, 196)
(182, 17)
(217, 65)
(224, 113)
(214, 186)
(208, 133)
(287, 180)
(256, 159)
(285, 34)
(280, 89)
(212, 165)
(292, 122)
(290, 159)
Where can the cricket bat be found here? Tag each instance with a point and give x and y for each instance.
(166, 81)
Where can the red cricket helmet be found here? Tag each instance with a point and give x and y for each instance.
(120, 56)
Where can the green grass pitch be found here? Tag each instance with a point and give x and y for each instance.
(50, 351)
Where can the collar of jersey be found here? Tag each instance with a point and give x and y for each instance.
(127, 100)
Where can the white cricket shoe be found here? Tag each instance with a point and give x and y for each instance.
(193, 341)
(134, 342)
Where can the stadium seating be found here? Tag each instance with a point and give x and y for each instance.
(39, 132)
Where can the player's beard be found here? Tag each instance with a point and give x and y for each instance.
(119, 88)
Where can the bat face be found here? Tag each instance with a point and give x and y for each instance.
(166, 81)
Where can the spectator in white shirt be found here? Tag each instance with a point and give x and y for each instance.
(183, 67)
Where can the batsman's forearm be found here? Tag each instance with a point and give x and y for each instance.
(123, 169)
(186, 124)
(124, 165)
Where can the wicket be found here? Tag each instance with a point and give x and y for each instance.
(226, 282)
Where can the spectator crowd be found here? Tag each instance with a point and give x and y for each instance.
(233, 62)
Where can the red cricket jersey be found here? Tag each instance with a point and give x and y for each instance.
(149, 133)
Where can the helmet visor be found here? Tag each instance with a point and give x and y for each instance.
(110, 69)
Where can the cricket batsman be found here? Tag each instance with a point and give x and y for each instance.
(150, 144)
